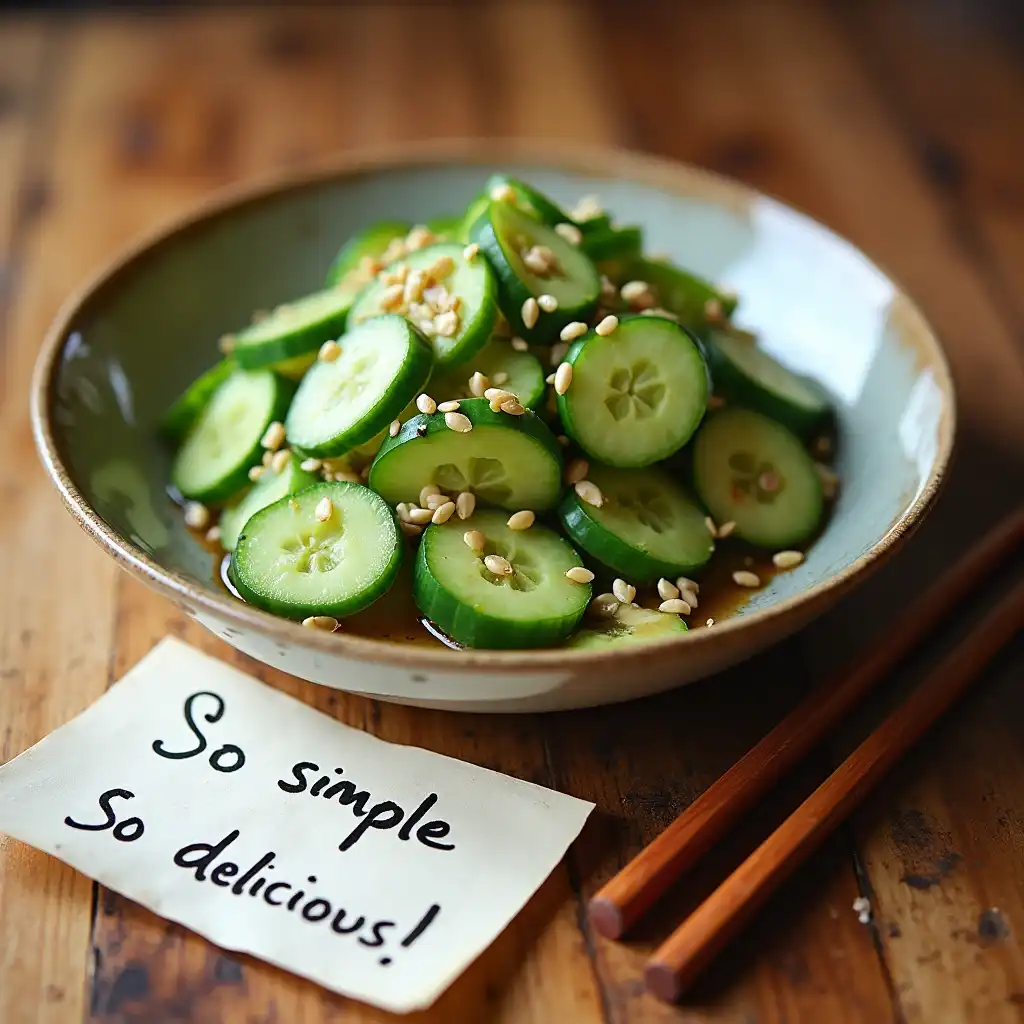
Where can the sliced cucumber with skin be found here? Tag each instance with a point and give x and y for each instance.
(609, 243)
(753, 472)
(448, 228)
(513, 462)
(340, 405)
(684, 294)
(289, 562)
(504, 234)
(372, 241)
(747, 375)
(530, 200)
(269, 488)
(294, 329)
(535, 606)
(214, 460)
(629, 625)
(646, 528)
(524, 374)
(473, 283)
(638, 394)
(471, 215)
(186, 410)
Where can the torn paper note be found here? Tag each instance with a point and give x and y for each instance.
(379, 871)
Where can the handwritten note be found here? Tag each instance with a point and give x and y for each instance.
(379, 871)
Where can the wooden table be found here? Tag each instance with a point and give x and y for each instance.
(900, 124)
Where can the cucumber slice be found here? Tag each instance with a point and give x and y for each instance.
(448, 228)
(291, 563)
(535, 606)
(505, 234)
(269, 488)
(294, 329)
(295, 368)
(510, 461)
(524, 375)
(186, 410)
(684, 294)
(472, 214)
(530, 200)
(752, 471)
(638, 394)
(629, 625)
(473, 284)
(608, 243)
(341, 405)
(646, 528)
(214, 460)
(749, 376)
(371, 241)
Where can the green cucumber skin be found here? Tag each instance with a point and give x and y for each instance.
(230, 485)
(449, 228)
(371, 241)
(402, 391)
(339, 610)
(605, 547)
(298, 342)
(732, 384)
(613, 243)
(187, 408)
(530, 200)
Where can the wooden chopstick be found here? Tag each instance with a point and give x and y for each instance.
(634, 890)
(702, 935)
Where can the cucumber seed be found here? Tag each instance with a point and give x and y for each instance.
(674, 606)
(498, 565)
(563, 378)
(579, 575)
(521, 520)
(458, 422)
(328, 623)
(625, 592)
(426, 404)
(607, 326)
(465, 504)
(787, 559)
(746, 578)
(443, 512)
(324, 509)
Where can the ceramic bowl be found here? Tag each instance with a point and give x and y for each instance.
(134, 337)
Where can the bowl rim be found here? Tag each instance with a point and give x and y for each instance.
(609, 162)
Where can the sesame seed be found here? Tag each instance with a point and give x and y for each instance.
(623, 591)
(579, 575)
(725, 529)
(273, 436)
(427, 327)
(393, 297)
(787, 559)
(587, 208)
(420, 516)
(435, 501)
(213, 535)
(746, 578)
(685, 583)
(674, 606)
(570, 233)
(427, 491)
(710, 524)
(410, 529)
(458, 422)
(268, 457)
(197, 515)
(604, 606)
(520, 344)
(607, 326)
(310, 465)
(716, 402)
(255, 473)
(570, 332)
(563, 378)
(549, 379)
(589, 492)
(501, 377)
(498, 395)
(419, 238)
(576, 471)
(558, 352)
(426, 404)
(329, 351)
(562, 440)
(441, 267)
(450, 406)
(633, 291)
(667, 591)
(498, 565)
(470, 252)
(475, 540)
(689, 596)
(443, 512)
(710, 622)
(394, 427)
(503, 193)
(540, 260)
(402, 508)
(665, 314)
(280, 460)
(529, 313)
(324, 509)
(465, 504)
(478, 384)
(512, 407)
(521, 520)
(447, 324)
(609, 293)
(327, 623)
(226, 344)
(548, 303)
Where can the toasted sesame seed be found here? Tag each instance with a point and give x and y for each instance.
(255, 472)
(563, 378)
(685, 583)
(498, 565)
(478, 384)
(604, 606)
(402, 509)
(558, 352)
(394, 296)
(549, 379)
(520, 344)
(213, 535)
(665, 314)
(746, 578)
(570, 233)
(501, 377)
(226, 344)
(458, 422)
(522, 520)
(197, 515)
(725, 529)
(667, 591)
(768, 481)
(607, 326)
(503, 193)
(280, 460)
(689, 596)
(470, 252)
(579, 575)
(394, 427)
(435, 501)
(419, 238)
(474, 540)
(623, 591)
(447, 324)
(443, 512)
(587, 208)
(441, 267)
(787, 559)
(427, 491)
(310, 465)
(530, 312)
(576, 471)
(862, 908)
(633, 291)
(268, 457)
(273, 436)
(426, 325)
(713, 311)
(465, 504)
(329, 351)
(716, 402)
(420, 516)
(710, 524)
(512, 407)
(426, 404)
(450, 406)
(324, 509)
(325, 622)
(710, 622)
(589, 492)
(609, 293)
(674, 606)
(498, 395)
(562, 440)
(548, 303)
(409, 529)
(540, 260)
(570, 332)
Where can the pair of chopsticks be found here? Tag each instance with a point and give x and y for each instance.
(692, 946)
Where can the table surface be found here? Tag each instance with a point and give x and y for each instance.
(899, 124)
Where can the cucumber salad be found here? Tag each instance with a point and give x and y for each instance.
(551, 430)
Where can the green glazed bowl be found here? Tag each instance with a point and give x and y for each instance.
(120, 351)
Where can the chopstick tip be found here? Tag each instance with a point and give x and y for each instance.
(662, 981)
(606, 917)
